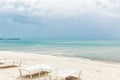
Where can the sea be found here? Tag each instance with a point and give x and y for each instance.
(95, 50)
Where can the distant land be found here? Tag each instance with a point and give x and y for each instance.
(9, 38)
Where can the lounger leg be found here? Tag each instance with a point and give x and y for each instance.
(56, 78)
(20, 63)
(46, 75)
(49, 77)
(13, 63)
(30, 75)
(79, 74)
(63, 78)
(20, 72)
(39, 74)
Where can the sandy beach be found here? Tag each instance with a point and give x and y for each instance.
(91, 69)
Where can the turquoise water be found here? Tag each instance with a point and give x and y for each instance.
(99, 50)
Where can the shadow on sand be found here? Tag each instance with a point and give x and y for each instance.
(43, 76)
(34, 76)
(7, 66)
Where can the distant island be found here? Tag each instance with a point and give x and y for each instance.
(9, 38)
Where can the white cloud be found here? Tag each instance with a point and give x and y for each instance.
(61, 8)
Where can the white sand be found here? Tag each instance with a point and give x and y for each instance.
(91, 70)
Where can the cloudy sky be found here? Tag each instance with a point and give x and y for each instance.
(60, 19)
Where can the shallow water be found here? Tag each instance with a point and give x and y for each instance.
(99, 50)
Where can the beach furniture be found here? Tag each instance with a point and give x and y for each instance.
(63, 74)
(39, 68)
(13, 62)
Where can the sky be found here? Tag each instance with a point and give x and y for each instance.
(60, 19)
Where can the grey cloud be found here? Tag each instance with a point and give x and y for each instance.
(16, 18)
(100, 4)
(18, 4)
(61, 8)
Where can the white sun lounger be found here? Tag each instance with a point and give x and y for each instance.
(39, 68)
(65, 73)
(13, 62)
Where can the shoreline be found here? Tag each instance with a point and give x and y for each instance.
(65, 56)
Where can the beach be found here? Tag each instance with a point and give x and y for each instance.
(90, 69)
(41, 38)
